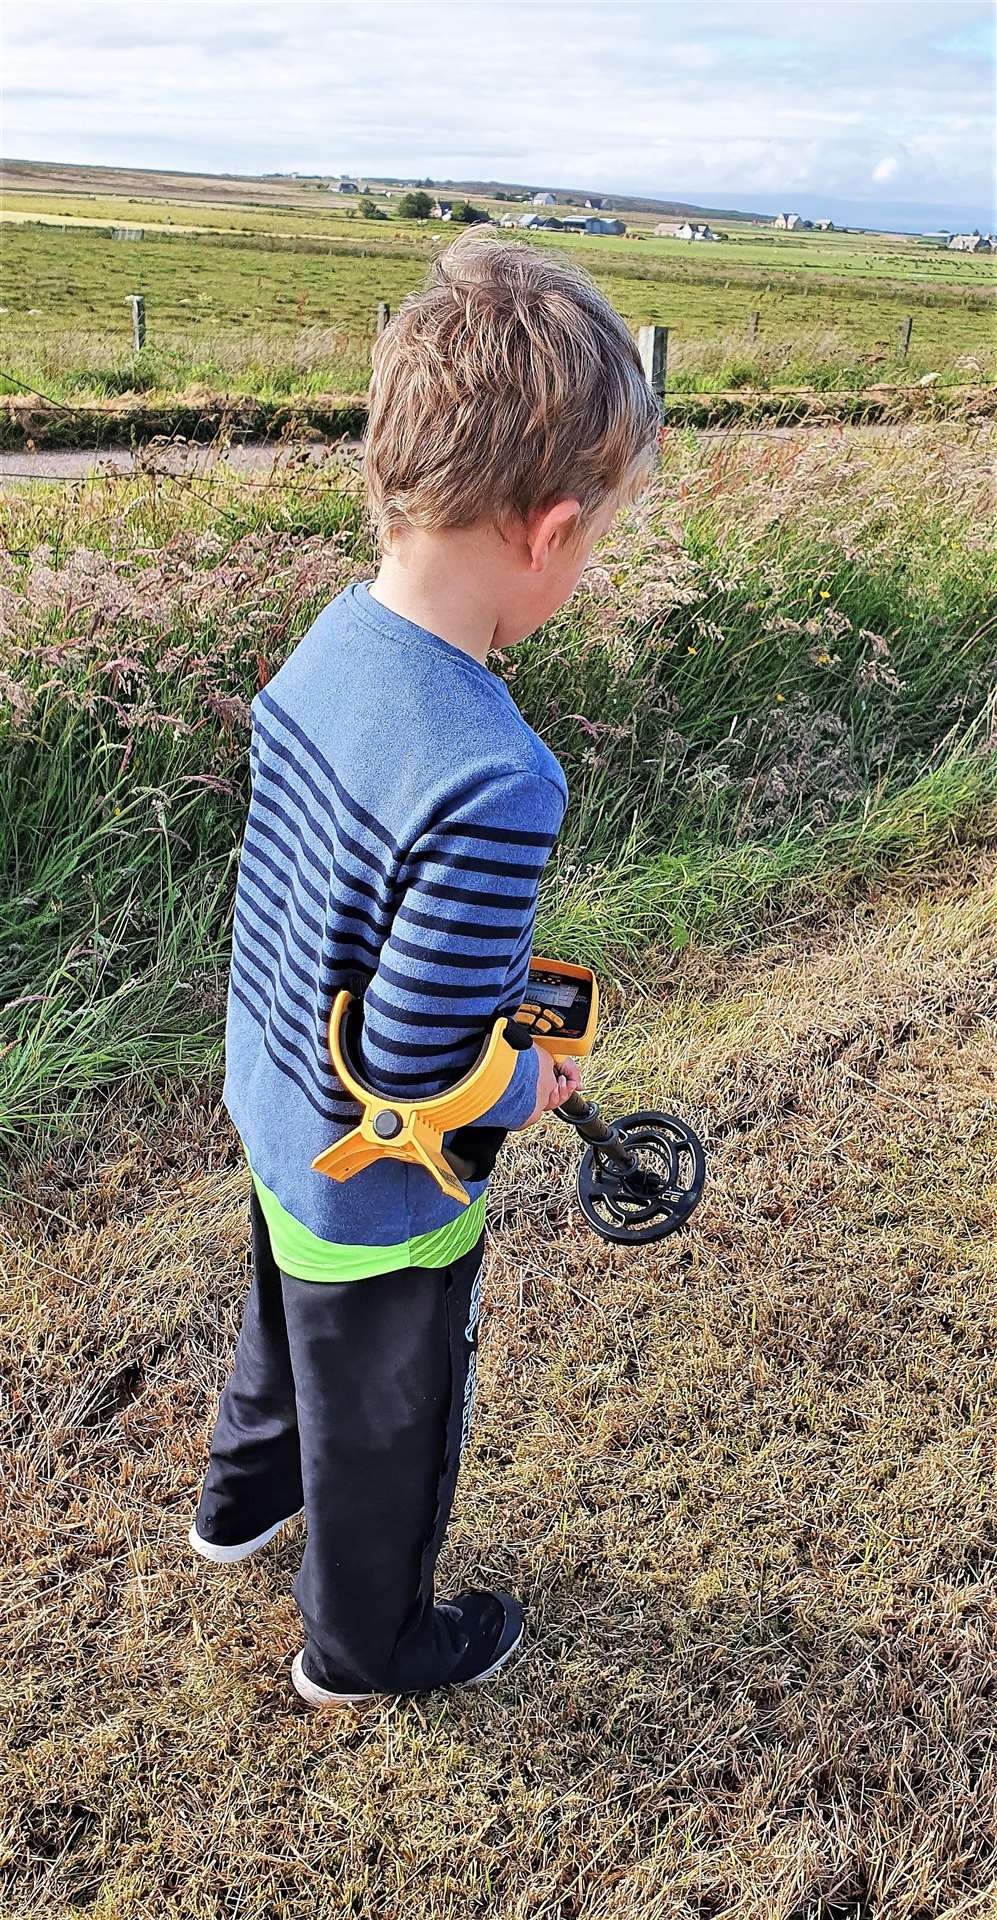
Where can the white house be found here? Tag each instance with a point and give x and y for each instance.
(543, 199)
(970, 243)
(824, 226)
(690, 231)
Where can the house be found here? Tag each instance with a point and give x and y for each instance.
(689, 231)
(594, 200)
(441, 210)
(970, 243)
(346, 186)
(824, 226)
(543, 199)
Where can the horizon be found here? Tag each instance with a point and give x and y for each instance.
(880, 109)
(907, 217)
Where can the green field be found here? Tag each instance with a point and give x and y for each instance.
(276, 298)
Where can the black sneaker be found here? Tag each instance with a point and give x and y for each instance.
(491, 1628)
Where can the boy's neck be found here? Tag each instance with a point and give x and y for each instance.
(443, 582)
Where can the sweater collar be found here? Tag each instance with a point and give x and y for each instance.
(399, 628)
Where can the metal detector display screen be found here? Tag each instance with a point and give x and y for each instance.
(558, 996)
(570, 999)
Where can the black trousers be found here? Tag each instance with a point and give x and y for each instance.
(353, 1399)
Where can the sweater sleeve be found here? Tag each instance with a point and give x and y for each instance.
(458, 953)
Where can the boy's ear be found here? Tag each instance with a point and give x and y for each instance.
(550, 528)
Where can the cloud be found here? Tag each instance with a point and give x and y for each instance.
(649, 96)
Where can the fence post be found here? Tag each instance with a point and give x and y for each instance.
(138, 321)
(383, 315)
(652, 345)
(905, 333)
(752, 326)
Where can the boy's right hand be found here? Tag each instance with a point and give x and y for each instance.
(555, 1083)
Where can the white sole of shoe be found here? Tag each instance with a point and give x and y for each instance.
(317, 1696)
(224, 1556)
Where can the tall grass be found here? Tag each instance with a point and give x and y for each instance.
(775, 682)
(87, 364)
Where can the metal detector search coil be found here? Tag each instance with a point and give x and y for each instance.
(639, 1178)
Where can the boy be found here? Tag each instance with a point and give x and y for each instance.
(402, 811)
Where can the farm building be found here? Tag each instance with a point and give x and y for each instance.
(793, 223)
(591, 223)
(970, 243)
(441, 210)
(346, 186)
(543, 199)
(594, 200)
(824, 226)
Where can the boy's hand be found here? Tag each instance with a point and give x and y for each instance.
(555, 1083)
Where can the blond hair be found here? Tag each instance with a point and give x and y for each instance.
(509, 383)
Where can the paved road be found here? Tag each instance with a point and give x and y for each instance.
(82, 463)
(180, 457)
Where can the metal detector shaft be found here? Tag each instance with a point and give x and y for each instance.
(579, 1113)
(584, 1116)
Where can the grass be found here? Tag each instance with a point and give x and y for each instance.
(774, 685)
(743, 1483)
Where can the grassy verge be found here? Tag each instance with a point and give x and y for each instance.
(205, 415)
(774, 685)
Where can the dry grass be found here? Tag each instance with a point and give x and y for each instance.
(745, 1484)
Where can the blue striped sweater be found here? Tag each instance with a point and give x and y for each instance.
(401, 814)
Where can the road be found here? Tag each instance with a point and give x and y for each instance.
(186, 457)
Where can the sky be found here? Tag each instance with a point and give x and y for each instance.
(871, 105)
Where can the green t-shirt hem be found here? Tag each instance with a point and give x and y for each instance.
(305, 1256)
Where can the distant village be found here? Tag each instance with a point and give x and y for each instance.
(597, 219)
